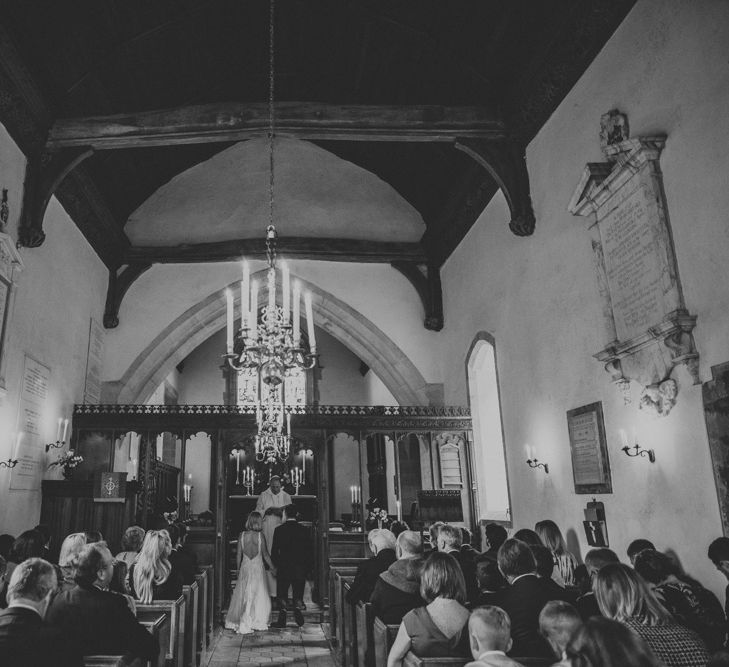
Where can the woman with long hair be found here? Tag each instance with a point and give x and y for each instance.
(250, 605)
(623, 596)
(564, 562)
(68, 558)
(601, 642)
(439, 629)
(151, 576)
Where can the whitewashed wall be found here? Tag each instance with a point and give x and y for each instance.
(666, 67)
(61, 287)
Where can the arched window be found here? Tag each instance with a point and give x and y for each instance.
(489, 455)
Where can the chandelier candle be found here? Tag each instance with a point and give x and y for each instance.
(245, 291)
(297, 313)
(286, 294)
(229, 320)
(253, 322)
(310, 322)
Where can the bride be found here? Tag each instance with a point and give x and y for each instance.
(250, 606)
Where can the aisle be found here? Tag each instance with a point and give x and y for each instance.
(300, 647)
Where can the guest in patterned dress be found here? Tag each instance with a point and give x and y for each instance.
(623, 596)
(608, 644)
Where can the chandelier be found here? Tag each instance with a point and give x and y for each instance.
(269, 340)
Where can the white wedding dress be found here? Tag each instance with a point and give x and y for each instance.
(250, 605)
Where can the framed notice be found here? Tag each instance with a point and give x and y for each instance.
(92, 387)
(590, 463)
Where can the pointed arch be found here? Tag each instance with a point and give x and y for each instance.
(198, 323)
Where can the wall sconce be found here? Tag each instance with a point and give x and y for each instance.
(10, 463)
(60, 436)
(636, 447)
(640, 452)
(534, 463)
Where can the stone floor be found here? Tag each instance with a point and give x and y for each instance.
(307, 646)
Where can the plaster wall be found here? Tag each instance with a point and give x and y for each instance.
(377, 291)
(62, 286)
(666, 67)
(201, 381)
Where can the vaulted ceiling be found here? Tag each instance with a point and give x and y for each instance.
(436, 99)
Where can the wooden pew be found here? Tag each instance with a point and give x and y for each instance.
(412, 660)
(365, 639)
(343, 634)
(202, 616)
(350, 656)
(336, 572)
(175, 644)
(210, 601)
(155, 625)
(382, 636)
(111, 661)
(190, 593)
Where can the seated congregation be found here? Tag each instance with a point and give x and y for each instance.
(525, 600)
(89, 607)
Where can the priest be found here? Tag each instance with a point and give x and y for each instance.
(273, 496)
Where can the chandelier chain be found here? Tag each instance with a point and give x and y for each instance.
(271, 119)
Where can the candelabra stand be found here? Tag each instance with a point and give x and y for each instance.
(249, 488)
(296, 486)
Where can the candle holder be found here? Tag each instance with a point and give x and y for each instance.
(534, 463)
(10, 463)
(55, 445)
(640, 452)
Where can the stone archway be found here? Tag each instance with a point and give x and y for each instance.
(174, 343)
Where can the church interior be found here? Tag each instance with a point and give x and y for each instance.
(417, 261)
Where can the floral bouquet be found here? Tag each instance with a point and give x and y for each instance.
(378, 515)
(67, 462)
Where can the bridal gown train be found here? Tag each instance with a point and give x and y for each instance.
(250, 605)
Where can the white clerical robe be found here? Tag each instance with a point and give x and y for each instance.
(270, 499)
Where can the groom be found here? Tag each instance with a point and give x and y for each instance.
(292, 557)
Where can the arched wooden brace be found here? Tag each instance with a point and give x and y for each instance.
(43, 174)
(425, 278)
(119, 283)
(505, 160)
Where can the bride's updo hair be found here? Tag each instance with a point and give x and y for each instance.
(254, 521)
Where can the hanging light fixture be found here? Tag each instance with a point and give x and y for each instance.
(269, 340)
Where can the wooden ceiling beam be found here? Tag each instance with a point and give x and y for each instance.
(290, 247)
(209, 123)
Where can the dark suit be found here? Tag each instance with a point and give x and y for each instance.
(367, 575)
(468, 567)
(100, 622)
(523, 600)
(291, 554)
(25, 641)
(185, 564)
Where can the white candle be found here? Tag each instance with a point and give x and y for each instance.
(58, 430)
(229, 320)
(310, 322)
(65, 430)
(271, 289)
(297, 315)
(351, 494)
(286, 292)
(237, 462)
(303, 461)
(399, 510)
(253, 322)
(245, 289)
(288, 423)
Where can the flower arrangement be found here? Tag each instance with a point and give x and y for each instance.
(67, 461)
(379, 515)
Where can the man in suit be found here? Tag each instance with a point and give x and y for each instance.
(182, 561)
(449, 541)
(97, 620)
(489, 630)
(545, 567)
(292, 556)
(382, 545)
(523, 599)
(558, 622)
(25, 640)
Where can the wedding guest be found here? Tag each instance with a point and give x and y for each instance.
(182, 563)
(545, 569)
(151, 576)
(594, 561)
(397, 590)
(440, 629)
(382, 545)
(528, 536)
(68, 559)
(45, 530)
(29, 544)
(99, 621)
(466, 546)
(564, 561)
(6, 544)
(93, 536)
(558, 622)
(719, 555)
(523, 599)
(449, 542)
(496, 535)
(489, 629)
(433, 533)
(636, 546)
(688, 602)
(131, 543)
(25, 640)
(490, 582)
(397, 527)
(623, 596)
(605, 643)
